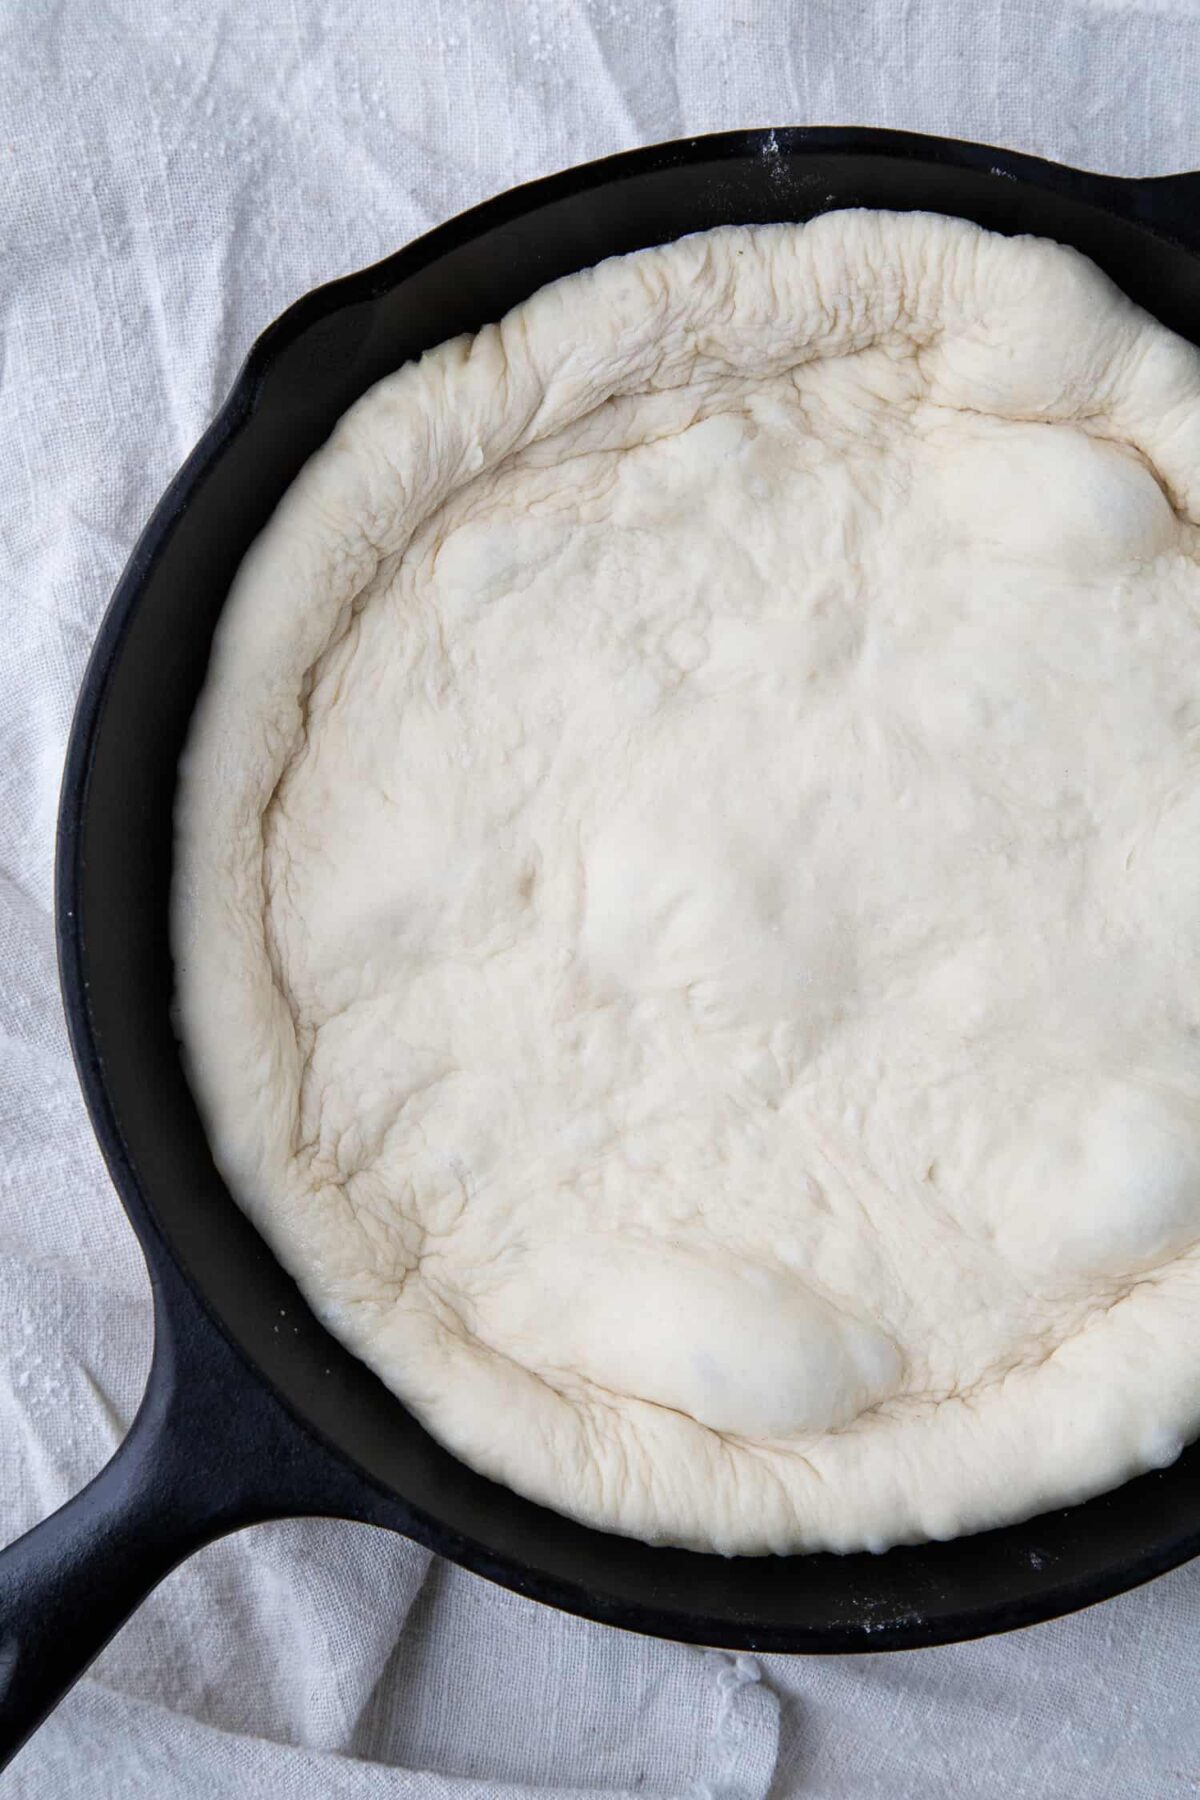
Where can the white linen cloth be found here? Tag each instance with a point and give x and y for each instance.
(171, 176)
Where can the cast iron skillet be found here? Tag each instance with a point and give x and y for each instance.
(252, 1411)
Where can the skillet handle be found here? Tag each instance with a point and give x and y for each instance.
(71, 1582)
(211, 1449)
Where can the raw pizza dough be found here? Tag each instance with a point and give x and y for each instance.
(688, 906)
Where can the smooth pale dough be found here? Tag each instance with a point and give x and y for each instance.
(688, 895)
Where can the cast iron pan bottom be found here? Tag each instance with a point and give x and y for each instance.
(252, 1410)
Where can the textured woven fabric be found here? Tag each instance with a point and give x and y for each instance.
(171, 176)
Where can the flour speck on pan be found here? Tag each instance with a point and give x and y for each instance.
(688, 905)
